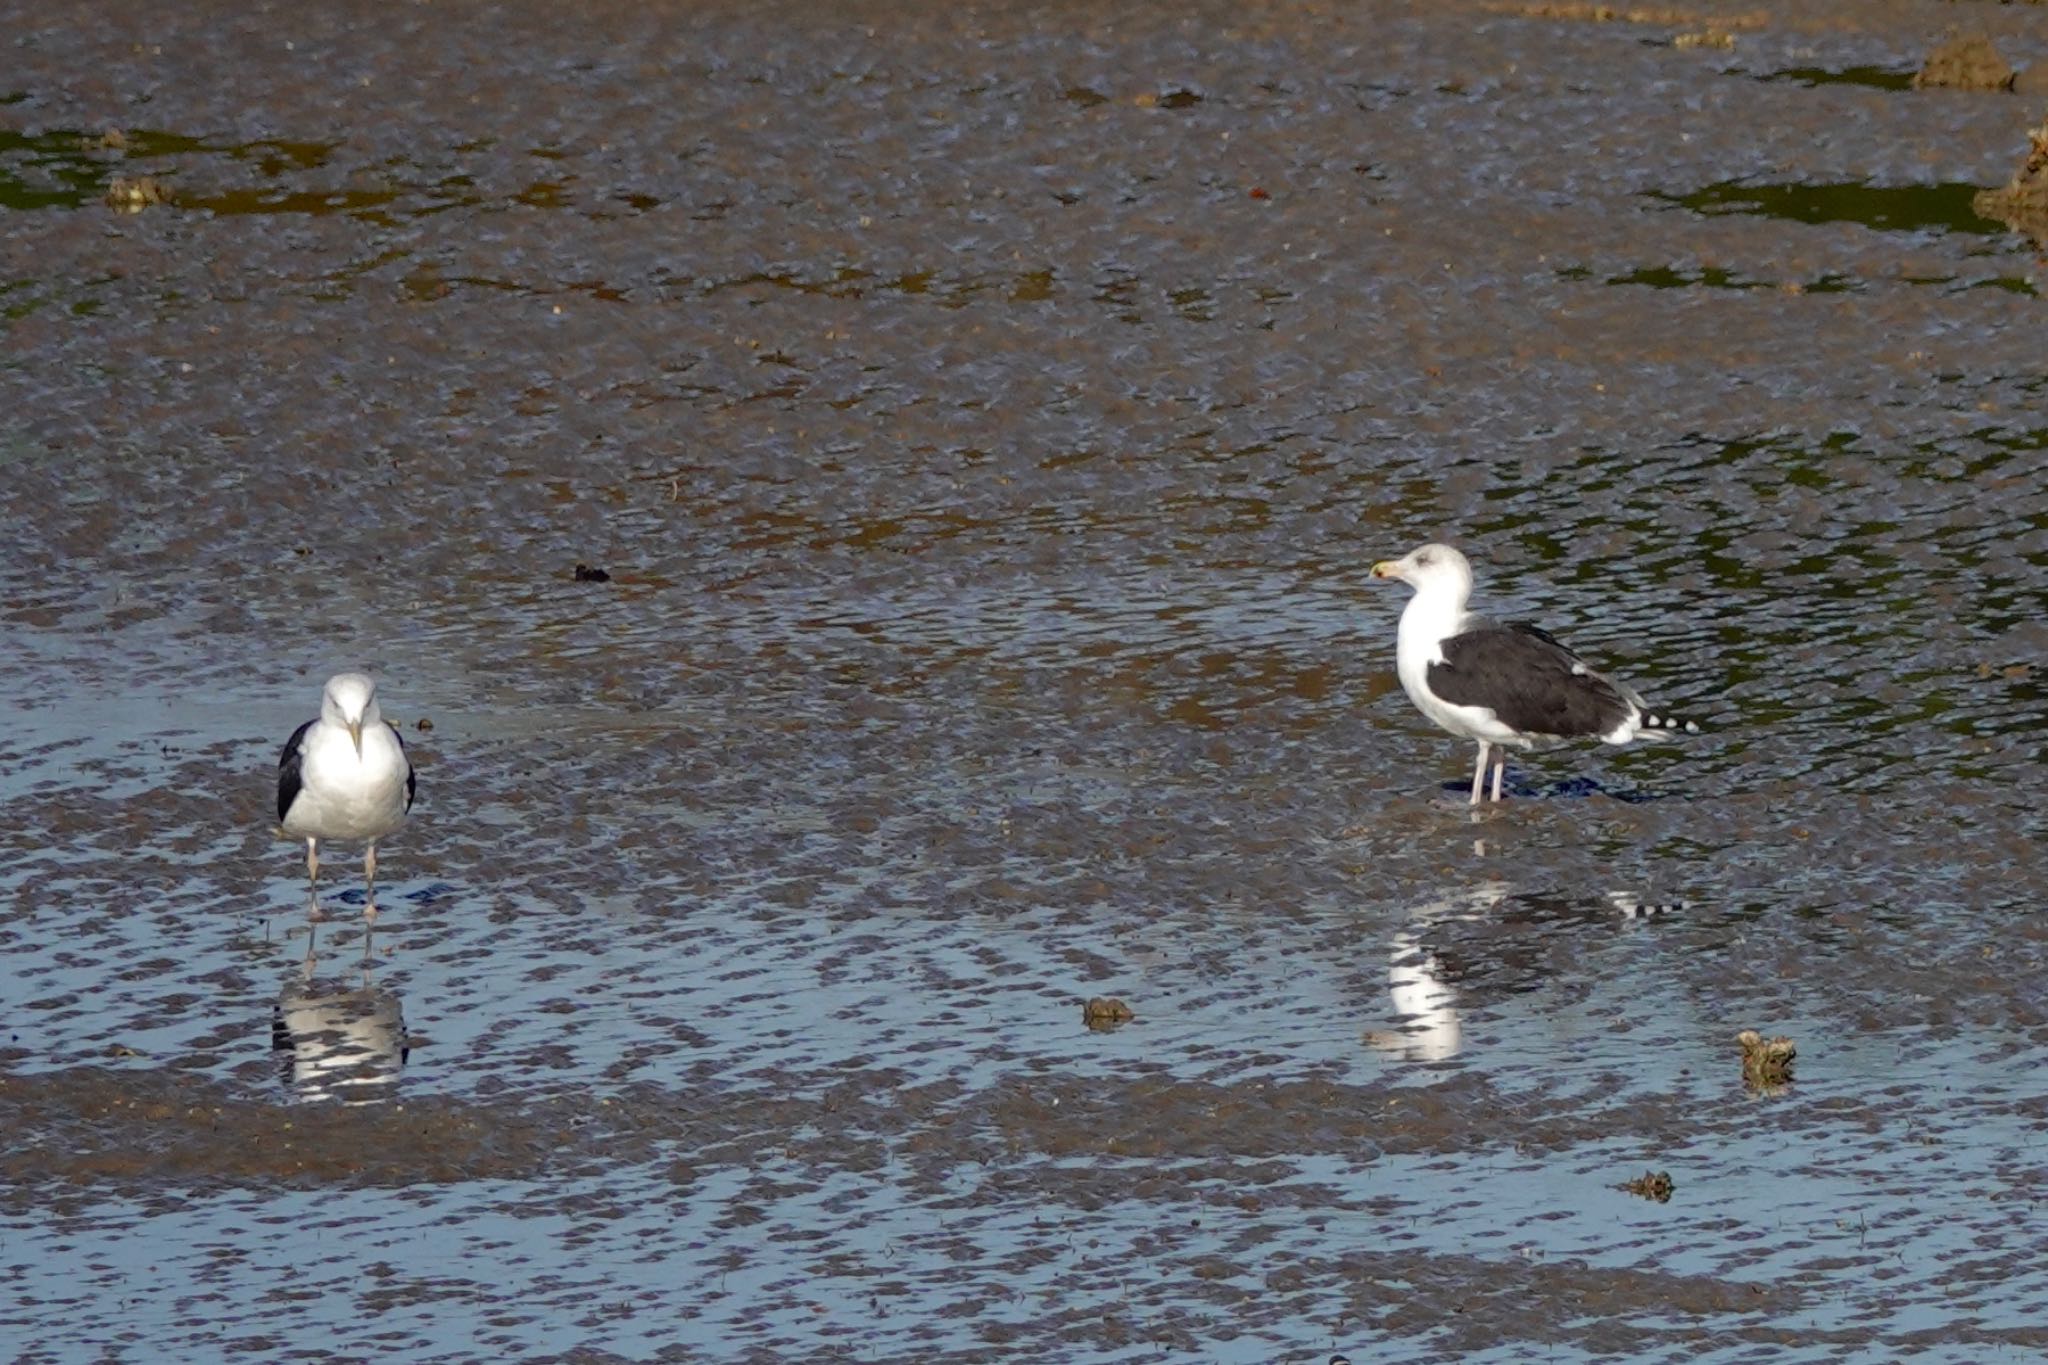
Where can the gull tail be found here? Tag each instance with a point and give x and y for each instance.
(1654, 726)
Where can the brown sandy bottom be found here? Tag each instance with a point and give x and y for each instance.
(986, 418)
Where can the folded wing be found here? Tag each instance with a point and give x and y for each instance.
(1529, 681)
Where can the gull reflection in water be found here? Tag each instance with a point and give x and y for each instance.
(337, 1041)
(1430, 962)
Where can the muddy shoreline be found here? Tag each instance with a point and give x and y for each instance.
(862, 517)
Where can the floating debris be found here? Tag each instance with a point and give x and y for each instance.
(1651, 1185)
(423, 724)
(1965, 62)
(2023, 203)
(133, 194)
(122, 1050)
(1707, 38)
(586, 574)
(113, 140)
(1766, 1062)
(1106, 1012)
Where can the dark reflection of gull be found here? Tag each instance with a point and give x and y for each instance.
(338, 1041)
(1431, 962)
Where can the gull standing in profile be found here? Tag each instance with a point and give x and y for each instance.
(1502, 684)
(344, 776)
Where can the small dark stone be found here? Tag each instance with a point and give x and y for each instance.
(586, 574)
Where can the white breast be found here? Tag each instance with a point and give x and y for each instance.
(1429, 619)
(342, 796)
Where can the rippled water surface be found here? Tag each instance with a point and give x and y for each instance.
(986, 416)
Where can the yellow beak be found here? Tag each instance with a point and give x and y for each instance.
(355, 732)
(1386, 568)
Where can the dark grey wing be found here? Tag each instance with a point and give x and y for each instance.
(1530, 681)
(412, 779)
(1531, 628)
(288, 770)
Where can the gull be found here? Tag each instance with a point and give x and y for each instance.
(1502, 684)
(344, 776)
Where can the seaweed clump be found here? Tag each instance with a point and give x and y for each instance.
(1766, 1062)
(2022, 203)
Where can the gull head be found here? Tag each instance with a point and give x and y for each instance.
(1429, 568)
(350, 701)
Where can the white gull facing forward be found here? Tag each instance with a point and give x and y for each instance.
(1501, 684)
(344, 776)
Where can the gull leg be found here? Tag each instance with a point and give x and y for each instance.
(1479, 773)
(1499, 771)
(313, 879)
(369, 896)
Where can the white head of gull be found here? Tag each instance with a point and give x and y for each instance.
(1501, 684)
(344, 776)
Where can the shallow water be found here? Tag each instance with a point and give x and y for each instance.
(987, 419)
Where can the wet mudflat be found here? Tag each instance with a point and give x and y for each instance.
(986, 416)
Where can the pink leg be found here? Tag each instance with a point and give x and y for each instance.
(1479, 774)
(1499, 771)
(313, 879)
(369, 896)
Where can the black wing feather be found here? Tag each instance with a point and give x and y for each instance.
(412, 779)
(1531, 628)
(1529, 680)
(288, 762)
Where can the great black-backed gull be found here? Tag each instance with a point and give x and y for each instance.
(345, 776)
(1501, 684)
